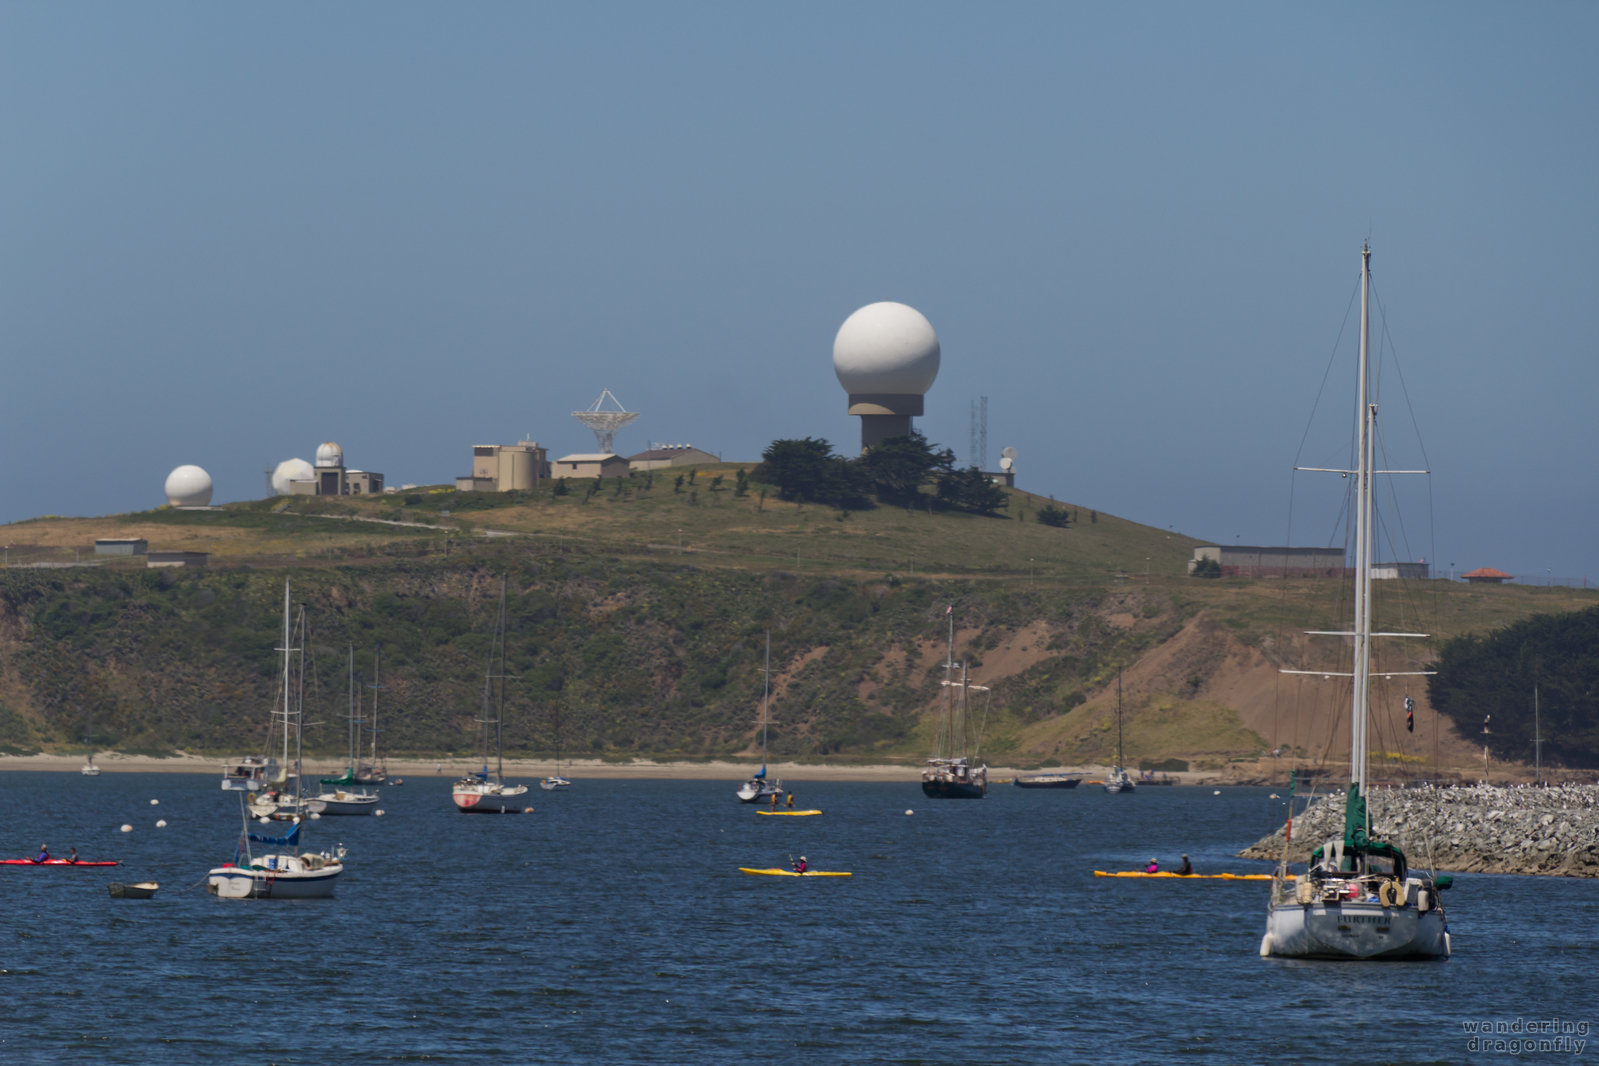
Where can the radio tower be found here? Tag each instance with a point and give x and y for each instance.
(979, 449)
(605, 422)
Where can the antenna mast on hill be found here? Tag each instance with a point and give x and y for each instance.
(605, 422)
(978, 454)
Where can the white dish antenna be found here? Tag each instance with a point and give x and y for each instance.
(1006, 462)
(605, 422)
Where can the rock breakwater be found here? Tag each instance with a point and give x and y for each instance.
(1477, 828)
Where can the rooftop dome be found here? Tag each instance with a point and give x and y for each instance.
(329, 454)
(886, 348)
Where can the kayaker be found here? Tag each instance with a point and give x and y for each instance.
(1187, 868)
(72, 854)
(1153, 867)
(800, 866)
(44, 853)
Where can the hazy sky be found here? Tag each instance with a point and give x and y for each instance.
(233, 231)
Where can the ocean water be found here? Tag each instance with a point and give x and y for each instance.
(612, 925)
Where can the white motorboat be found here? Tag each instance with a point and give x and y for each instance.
(1358, 898)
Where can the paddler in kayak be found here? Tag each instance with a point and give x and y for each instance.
(1153, 867)
(1187, 869)
(800, 865)
(73, 856)
(44, 853)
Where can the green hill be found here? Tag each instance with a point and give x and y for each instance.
(637, 616)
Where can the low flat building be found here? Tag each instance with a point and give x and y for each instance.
(670, 455)
(177, 558)
(1252, 561)
(589, 464)
(505, 468)
(121, 546)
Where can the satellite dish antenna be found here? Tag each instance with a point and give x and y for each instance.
(1006, 462)
(1008, 453)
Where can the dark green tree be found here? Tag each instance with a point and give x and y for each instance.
(899, 466)
(798, 469)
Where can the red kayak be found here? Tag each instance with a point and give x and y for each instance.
(52, 862)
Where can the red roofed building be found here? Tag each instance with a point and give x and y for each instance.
(1487, 575)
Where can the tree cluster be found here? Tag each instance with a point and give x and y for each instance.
(895, 473)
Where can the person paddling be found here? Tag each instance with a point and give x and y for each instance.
(1187, 869)
(44, 853)
(800, 865)
(1153, 867)
(72, 855)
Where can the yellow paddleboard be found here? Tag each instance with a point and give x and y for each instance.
(791, 814)
(1190, 877)
(791, 873)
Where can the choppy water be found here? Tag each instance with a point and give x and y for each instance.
(612, 925)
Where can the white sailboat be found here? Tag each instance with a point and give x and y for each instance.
(1119, 780)
(483, 791)
(89, 769)
(557, 779)
(284, 870)
(954, 771)
(1358, 899)
(761, 788)
(340, 799)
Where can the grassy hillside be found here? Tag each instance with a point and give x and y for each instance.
(637, 619)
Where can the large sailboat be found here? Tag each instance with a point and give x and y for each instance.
(485, 791)
(954, 771)
(1359, 898)
(284, 870)
(761, 788)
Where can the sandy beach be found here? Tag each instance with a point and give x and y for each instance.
(454, 766)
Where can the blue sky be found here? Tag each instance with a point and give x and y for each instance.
(233, 231)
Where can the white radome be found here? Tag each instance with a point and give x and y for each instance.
(290, 470)
(188, 486)
(886, 348)
(329, 454)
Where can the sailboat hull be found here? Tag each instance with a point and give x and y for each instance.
(754, 791)
(342, 802)
(1354, 929)
(275, 877)
(944, 787)
(477, 799)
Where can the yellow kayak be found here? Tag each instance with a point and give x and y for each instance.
(1189, 877)
(792, 873)
(791, 814)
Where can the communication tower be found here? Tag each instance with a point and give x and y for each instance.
(978, 455)
(605, 422)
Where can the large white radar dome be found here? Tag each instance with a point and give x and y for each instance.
(290, 470)
(887, 349)
(188, 486)
(329, 454)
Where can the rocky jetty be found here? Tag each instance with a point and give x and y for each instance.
(1479, 828)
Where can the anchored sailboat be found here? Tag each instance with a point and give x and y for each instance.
(953, 771)
(1360, 899)
(1119, 780)
(760, 787)
(284, 871)
(483, 791)
(343, 799)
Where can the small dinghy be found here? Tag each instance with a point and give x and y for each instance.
(138, 890)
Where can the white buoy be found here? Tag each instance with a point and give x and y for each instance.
(1216, 793)
(908, 811)
(316, 816)
(264, 820)
(155, 803)
(1273, 795)
(378, 813)
(127, 828)
(160, 823)
(527, 810)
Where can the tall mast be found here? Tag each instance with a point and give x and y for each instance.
(766, 696)
(1363, 537)
(376, 660)
(286, 695)
(949, 672)
(499, 711)
(350, 709)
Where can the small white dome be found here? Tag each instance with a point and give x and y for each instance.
(188, 486)
(290, 470)
(329, 454)
(886, 348)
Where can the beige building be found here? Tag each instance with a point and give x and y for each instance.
(505, 467)
(176, 558)
(670, 455)
(596, 464)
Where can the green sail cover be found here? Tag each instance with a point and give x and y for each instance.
(1356, 842)
(1354, 814)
